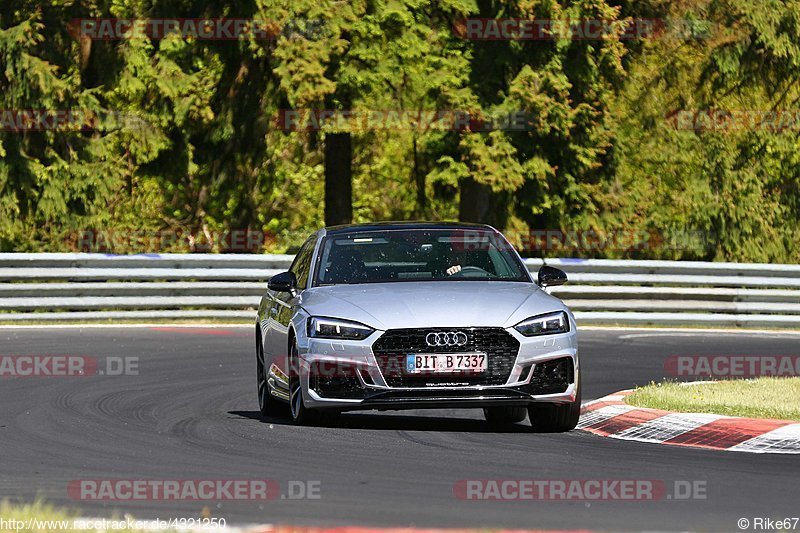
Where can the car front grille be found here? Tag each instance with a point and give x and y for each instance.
(392, 347)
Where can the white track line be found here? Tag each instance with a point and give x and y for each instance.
(785, 439)
(601, 415)
(666, 427)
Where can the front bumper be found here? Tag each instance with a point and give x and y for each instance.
(440, 398)
(363, 387)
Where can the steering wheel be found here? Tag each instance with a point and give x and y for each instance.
(474, 270)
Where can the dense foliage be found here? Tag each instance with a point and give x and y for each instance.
(621, 136)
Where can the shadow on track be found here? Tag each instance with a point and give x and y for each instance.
(400, 423)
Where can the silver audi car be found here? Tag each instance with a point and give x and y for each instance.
(408, 315)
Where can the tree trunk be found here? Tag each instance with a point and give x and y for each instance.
(474, 202)
(338, 179)
(480, 205)
(419, 181)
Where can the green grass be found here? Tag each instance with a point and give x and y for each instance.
(38, 511)
(41, 517)
(753, 398)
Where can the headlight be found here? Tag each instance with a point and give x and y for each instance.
(331, 328)
(544, 324)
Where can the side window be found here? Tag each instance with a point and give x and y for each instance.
(301, 265)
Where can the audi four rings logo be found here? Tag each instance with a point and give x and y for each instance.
(447, 338)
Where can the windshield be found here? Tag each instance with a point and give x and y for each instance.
(417, 255)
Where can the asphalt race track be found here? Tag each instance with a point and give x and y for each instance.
(191, 413)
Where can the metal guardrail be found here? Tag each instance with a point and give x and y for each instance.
(91, 287)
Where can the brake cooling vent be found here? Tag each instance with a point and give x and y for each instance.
(552, 377)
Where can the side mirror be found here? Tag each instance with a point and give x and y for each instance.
(283, 282)
(551, 276)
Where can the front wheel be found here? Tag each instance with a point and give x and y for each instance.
(267, 405)
(556, 418)
(301, 415)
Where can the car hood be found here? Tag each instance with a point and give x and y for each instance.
(431, 304)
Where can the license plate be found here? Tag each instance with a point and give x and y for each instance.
(419, 363)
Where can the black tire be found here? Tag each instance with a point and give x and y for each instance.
(504, 415)
(301, 415)
(556, 418)
(267, 405)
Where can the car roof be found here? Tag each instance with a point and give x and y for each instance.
(408, 225)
